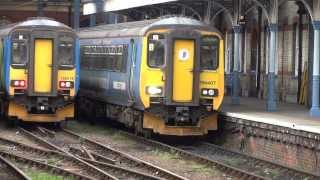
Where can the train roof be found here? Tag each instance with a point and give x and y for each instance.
(138, 28)
(32, 22)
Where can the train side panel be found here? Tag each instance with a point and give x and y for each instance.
(2, 75)
(108, 85)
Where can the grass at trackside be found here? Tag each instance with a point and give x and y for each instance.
(35, 174)
(196, 167)
(165, 155)
(46, 176)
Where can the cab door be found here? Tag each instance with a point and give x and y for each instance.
(183, 68)
(43, 55)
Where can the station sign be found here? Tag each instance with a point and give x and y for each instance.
(89, 8)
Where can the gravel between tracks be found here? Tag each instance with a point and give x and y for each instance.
(166, 160)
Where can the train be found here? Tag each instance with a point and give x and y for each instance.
(159, 76)
(39, 71)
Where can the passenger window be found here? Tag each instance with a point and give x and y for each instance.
(105, 57)
(209, 55)
(156, 50)
(20, 51)
(66, 51)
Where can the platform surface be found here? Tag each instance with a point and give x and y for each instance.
(288, 115)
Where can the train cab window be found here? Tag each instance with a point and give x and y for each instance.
(209, 59)
(156, 50)
(66, 51)
(20, 55)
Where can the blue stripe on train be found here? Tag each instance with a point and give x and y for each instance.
(7, 58)
(77, 61)
(137, 72)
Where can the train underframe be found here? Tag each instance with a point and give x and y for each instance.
(37, 109)
(159, 119)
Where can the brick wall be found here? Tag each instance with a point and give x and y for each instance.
(18, 16)
(278, 152)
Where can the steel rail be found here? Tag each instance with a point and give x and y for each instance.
(144, 166)
(153, 169)
(230, 170)
(17, 172)
(43, 166)
(87, 167)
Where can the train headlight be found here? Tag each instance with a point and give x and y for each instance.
(68, 84)
(18, 83)
(205, 92)
(152, 90)
(209, 92)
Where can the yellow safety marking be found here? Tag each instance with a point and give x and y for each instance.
(43, 65)
(183, 57)
(157, 125)
(20, 112)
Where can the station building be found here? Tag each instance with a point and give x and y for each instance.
(272, 47)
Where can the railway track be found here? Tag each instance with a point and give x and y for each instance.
(117, 163)
(245, 166)
(52, 161)
(235, 172)
(256, 165)
(10, 171)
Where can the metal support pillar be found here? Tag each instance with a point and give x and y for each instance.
(116, 17)
(236, 66)
(315, 109)
(271, 102)
(92, 20)
(40, 7)
(76, 14)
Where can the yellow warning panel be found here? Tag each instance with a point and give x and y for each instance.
(183, 57)
(43, 65)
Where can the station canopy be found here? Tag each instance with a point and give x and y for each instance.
(117, 5)
(90, 7)
(147, 9)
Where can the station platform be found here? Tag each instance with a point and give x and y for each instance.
(291, 116)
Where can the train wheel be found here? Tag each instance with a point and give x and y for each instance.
(12, 122)
(147, 133)
(9, 121)
(78, 111)
(138, 129)
(57, 125)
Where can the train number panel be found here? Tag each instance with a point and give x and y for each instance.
(164, 76)
(39, 70)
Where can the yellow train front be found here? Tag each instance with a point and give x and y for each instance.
(163, 75)
(39, 70)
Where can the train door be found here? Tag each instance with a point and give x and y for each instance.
(183, 68)
(43, 59)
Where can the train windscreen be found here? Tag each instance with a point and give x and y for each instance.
(66, 51)
(20, 50)
(209, 59)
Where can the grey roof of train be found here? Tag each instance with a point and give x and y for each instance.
(36, 21)
(137, 28)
